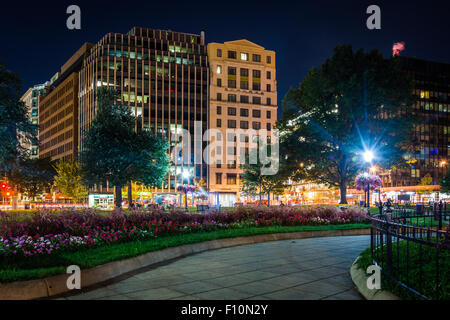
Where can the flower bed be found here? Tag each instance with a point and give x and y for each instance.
(47, 231)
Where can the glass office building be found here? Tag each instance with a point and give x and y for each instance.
(162, 76)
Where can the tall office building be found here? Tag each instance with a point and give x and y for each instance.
(31, 100)
(430, 162)
(243, 95)
(163, 77)
(58, 111)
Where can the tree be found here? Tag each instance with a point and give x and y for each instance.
(445, 183)
(15, 126)
(69, 181)
(32, 177)
(115, 151)
(426, 180)
(186, 188)
(354, 102)
(255, 181)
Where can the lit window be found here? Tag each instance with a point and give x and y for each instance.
(219, 69)
(244, 56)
(424, 94)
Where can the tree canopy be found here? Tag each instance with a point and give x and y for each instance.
(118, 150)
(32, 177)
(445, 183)
(69, 181)
(356, 101)
(15, 127)
(255, 181)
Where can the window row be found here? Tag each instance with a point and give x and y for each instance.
(244, 72)
(230, 178)
(244, 56)
(244, 85)
(232, 124)
(243, 99)
(232, 111)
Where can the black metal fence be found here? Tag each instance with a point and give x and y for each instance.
(409, 247)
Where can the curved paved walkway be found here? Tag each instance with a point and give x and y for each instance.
(315, 268)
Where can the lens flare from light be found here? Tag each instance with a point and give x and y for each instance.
(368, 156)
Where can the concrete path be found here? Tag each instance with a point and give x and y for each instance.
(311, 269)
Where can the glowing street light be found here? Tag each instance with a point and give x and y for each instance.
(368, 155)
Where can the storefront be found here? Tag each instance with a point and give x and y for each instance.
(402, 195)
(101, 201)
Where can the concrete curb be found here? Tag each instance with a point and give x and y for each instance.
(359, 278)
(55, 285)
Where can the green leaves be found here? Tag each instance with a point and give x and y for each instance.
(13, 120)
(115, 150)
(445, 183)
(354, 101)
(69, 181)
(32, 177)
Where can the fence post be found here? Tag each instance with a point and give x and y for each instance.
(440, 215)
(388, 240)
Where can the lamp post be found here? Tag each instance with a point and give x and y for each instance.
(373, 170)
(367, 195)
(368, 157)
(185, 176)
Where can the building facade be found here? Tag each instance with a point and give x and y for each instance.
(428, 164)
(419, 182)
(31, 100)
(243, 95)
(58, 121)
(58, 110)
(163, 77)
(173, 83)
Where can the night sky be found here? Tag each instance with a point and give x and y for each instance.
(35, 41)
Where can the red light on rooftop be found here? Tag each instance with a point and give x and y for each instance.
(397, 48)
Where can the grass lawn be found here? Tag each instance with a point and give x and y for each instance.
(40, 267)
(425, 284)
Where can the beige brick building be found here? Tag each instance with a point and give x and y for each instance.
(243, 95)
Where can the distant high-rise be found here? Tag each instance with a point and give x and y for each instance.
(431, 160)
(31, 100)
(162, 76)
(58, 111)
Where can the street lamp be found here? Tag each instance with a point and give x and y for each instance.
(186, 175)
(368, 156)
(368, 190)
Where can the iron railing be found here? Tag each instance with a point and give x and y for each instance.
(405, 243)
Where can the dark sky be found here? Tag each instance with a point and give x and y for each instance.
(35, 41)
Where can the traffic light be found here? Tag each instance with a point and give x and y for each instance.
(6, 190)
